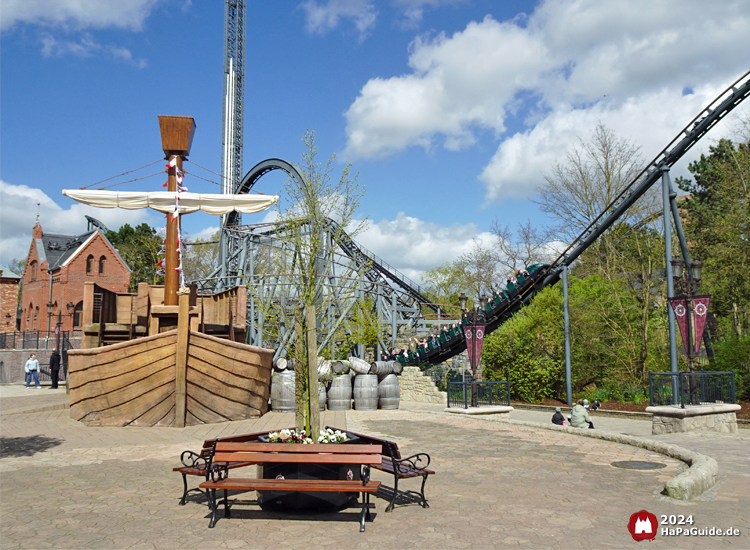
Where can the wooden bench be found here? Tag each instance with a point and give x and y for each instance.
(196, 464)
(401, 468)
(225, 453)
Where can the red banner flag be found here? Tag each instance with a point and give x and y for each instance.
(469, 335)
(474, 340)
(700, 314)
(679, 307)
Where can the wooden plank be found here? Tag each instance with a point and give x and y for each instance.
(99, 387)
(220, 387)
(203, 414)
(148, 342)
(210, 364)
(161, 380)
(154, 415)
(312, 485)
(291, 458)
(123, 414)
(130, 363)
(168, 420)
(236, 350)
(230, 409)
(181, 356)
(327, 448)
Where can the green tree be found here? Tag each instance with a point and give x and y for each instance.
(717, 226)
(304, 222)
(201, 258)
(139, 247)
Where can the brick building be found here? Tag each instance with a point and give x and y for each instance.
(67, 262)
(8, 299)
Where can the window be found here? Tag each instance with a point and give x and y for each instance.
(32, 268)
(77, 314)
(102, 261)
(89, 264)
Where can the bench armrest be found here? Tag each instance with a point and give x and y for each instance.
(192, 460)
(417, 462)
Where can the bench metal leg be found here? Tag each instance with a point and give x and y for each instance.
(395, 493)
(184, 490)
(365, 515)
(212, 503)
(226, 505)
(424, 500)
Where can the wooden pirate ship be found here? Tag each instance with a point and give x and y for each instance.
(167, 356)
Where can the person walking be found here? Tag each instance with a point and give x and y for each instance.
(32, 369)
(54, 368)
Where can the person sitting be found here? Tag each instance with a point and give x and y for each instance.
(579, 416)
(558, 417)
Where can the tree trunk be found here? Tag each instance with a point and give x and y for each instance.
(312, 373)
(300, 373)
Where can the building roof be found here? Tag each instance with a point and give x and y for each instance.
(5, 272)
(58, 248)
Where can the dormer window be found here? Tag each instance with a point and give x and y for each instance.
(89, 265)
(102, 261)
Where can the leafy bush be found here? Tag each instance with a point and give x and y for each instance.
(732, 353)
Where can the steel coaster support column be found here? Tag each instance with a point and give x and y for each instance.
(566, 318)
(666, 188)
(394, 320)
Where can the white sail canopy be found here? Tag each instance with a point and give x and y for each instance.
(164, 201)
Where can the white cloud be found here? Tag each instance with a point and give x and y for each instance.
(412, 245)
(88, 47)
(76, 14)
(413, 10)
(321, 18)
(570, 64)
(19, 210)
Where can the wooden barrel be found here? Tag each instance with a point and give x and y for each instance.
(388, 391)
(324, 368)
(280, 363)
(340, 394)
(321, 396)
(381, 368)
(360, 366)
(366, 392)
(340, 367)
(397, 367)
(282, 391)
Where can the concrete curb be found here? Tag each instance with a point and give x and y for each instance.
(702, 474)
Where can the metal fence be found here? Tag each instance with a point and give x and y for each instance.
(478, 394)
(691, 388)
(32, 339)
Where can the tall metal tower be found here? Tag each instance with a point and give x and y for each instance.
(234, 114)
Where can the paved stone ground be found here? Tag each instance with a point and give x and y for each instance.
(498, 485)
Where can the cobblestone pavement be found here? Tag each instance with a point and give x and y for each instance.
(498, 485)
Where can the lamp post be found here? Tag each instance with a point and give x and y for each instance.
(473, 328)
(687, 281)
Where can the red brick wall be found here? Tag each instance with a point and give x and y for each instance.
(8, 303)
(67, 283)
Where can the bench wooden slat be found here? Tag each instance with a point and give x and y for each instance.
(297, 448)
(329, 458)
(316, 485)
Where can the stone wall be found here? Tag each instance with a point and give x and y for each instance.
(415, 386)
(718, 422)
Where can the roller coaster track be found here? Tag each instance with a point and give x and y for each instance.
(375, 269)
(722, 105)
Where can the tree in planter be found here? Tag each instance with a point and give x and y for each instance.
(304, 221)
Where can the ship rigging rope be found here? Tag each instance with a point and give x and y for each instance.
(124, 173)
(230, 180)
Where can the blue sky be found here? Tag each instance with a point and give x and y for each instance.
(450, 110)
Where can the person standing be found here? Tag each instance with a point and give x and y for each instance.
(54, 368)
(32, 369)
